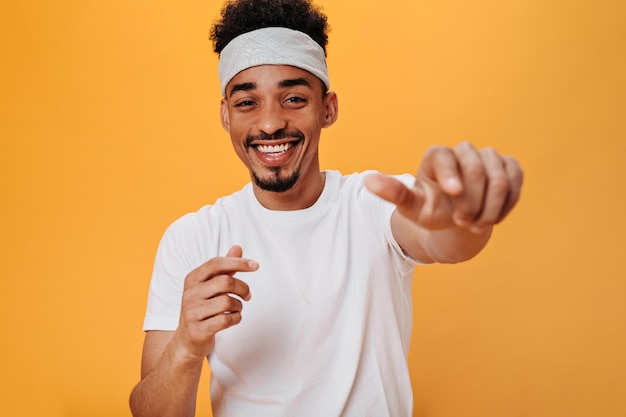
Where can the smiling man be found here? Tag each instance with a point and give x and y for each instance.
(326, 280)
(275, 114)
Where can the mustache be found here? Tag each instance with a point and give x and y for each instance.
(279, 134)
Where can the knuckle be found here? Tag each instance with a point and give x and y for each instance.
(464, 213)
(465, 147)
(474, 171)
(189, 297)
(189, 315)
(235, 304)
(224, 282)
(190, 279)
(513, 167)
(212, 265)
(221, 303)
(433, 150)
(440, 150)
(223, 321)
(488, 217)
(226, 303)
(499, 186)
(518, 176)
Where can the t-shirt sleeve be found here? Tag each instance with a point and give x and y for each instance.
(407, 180)
(384, 209)
(172, 264)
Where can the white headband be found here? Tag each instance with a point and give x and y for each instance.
(272, 46)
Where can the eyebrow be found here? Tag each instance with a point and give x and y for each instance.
(242, 87)
(294, 82)
(282, 84)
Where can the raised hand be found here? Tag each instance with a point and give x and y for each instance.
(459, 186)
(208, 304)
(458, 195)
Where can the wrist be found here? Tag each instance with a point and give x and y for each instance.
(183, 354)
(456, 244)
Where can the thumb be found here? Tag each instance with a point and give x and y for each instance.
(392, 190)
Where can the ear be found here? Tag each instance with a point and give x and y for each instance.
(332, 108)
(224, 117)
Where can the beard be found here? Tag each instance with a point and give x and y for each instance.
(275, 182)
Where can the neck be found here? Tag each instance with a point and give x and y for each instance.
(302, 195)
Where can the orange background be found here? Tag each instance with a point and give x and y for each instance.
(109, 131)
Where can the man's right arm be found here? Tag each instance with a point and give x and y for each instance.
(169, 379)
(172, 361)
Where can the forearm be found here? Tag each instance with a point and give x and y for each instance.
(454, 244)
(170, 389)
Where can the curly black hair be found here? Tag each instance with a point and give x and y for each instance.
(241, 16)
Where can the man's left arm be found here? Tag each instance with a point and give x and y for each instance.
(459, 195)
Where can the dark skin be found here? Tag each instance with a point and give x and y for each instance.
(459, 194)
(172, 361)
(447, 216)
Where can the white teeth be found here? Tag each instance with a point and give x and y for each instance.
(274, 148)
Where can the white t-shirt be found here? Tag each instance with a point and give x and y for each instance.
(328, 327)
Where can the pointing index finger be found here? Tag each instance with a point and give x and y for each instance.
(236, 252)
(390, 189)
(221, 265)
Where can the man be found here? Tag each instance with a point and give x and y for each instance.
(326, 279)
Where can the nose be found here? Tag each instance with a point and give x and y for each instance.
(271, 119)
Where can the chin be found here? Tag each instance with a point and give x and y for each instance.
(276, 183)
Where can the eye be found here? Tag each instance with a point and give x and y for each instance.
(295, 100)
(245, 103)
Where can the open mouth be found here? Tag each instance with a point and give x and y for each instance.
(274, 145)
(275, 149)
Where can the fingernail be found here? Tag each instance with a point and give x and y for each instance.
(253, 264)
(461, 222)
(453, 184)
(477, 229)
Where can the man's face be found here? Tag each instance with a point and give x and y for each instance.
(275, 114)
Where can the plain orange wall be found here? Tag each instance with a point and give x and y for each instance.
(109, 131)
